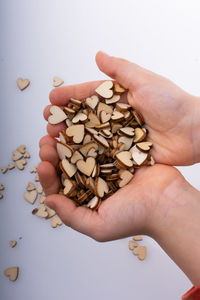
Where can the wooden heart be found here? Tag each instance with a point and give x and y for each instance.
(64, 150)
(77, 132)
(4, 170)
(79, 117)
(12, 273)
(92, 101)
(93, 203)
(1, 187)
(30, 196)
(101, 187)
(123, 106)
(125, 158)
(125, 177)
(118, 89)
(128, 131)
(40, 211)
(140, 252)
(139, 135)
(11, 166)
(57, 81)
(101, 140)
(39, 189)
(30, 187)
(33, 170)
(132, 245)
(13, 243)
(93, 120)
(50, 212)
(76, 156)
(104, 117)
(113, 100)
(57, 115)
(16, 155)
(126, 141)
(117, 116)
(86, 167)
(144, 146)
(85, 148)
(21, 163)
(21, 149)
(27, 155)
(68, 186)
(105, 89)
(104, 107)
(138, 156)
(22, 83)
(92, 152)
(68, 168)
(56, 221)
(42, 198)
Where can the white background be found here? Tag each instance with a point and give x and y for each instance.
(41, 39)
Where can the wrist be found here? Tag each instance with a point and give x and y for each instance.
(176, 227)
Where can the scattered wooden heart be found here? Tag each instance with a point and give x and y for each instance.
(101, 140)
(57, 115)
(105, 89)
(42, 198)
(22, 83)
(11, 166)
(64, 150)
(50, 212)
(138, 156)
(139, 135)
(92, 101)
(104, 117)
(132, 245)
(126, 141)
(137, 238)
(117, 116)
(37, 178)
(128, 131)
(30, 196)
(138, 117)
(21, 149)
(12, 273)
(113, 100)
(4, 170)
(77, 132)
(118, 89)
(21, 163)
(92, 152)
(101, 187)
(125, 158)
(144, 146)
(86, 167)
(140, 252)
(123, 106)
(16, 155)
(30, 187)
(76, 156)
(33, 170)
(2, 187)
(79, 117)
(57, 81)
(125, 177)
(68, 168)
(40, 211)
(27, 155)
(104, 107)
(1, 196)
(39, 189)
(93, 203)
(13, 243)
(68, 186)
(85, 148)
(56, 221)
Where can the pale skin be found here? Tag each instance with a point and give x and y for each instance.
(158, 202)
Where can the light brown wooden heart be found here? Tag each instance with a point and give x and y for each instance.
(86, 167)
(125, 158)
(92, 152)
(57, 115)
(101, 187)
(125, 177)
(64, 150)
(77, 132)
(101, 140)
(21, 163)
(126, 141)
(21, 149)
(123, 106)
(16, 155)
(4, 170)
(40, 211)
(85, 148)
(104, 107)
(22, 83)
(118, 89)
(56, 221)
(12, 273)
(30, 187)
(79, 117)
(139, 135)
(113, 100)
(11, 166)
(93, 203)
(132, 245)
(92, 101)
(27, 155)
(128, 131)
(75, 157)
(30, 196)
(104, 117)
(140, 252)
(105, 89)
(144, 146)
(117, 116)
(68, 186)
(68, 168)
(138, 156)
(12, 243)
(57, 81)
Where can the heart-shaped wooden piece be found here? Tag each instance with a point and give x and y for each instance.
(50, 212)
(1, 187)
(22, 83)
(27, 155)
(75, 157)
(86, 167)
(57, 115)
(113, 100)
(104, 117)
(132, 245)
(13, 243)
(56, 221)
(137, 238)
(123, 106)
(105, 89)
(101, 187)
(128, 131)
(40, 211)
(104, 107)
(138, 156)
(125, 177)
(138, 117)
(139, 135)
(85, 148)
(77, 132)
(21, 163)
(57, 81)
(92, 152)
(93, 203)
(93, 120)
(30, 187)
(42, 198)
(125, 158)
(16, 155)
(140, 252)
(79, 117)
(118, 89)
(68, 187)
(126, 141)
(101, 140)
(39, 189)
(33, 170)
(87, 139)
(4, 170)
(117, 116)
(92, 101)
(21, 149)
(30, 196)
(11, 166)
(68, 168)
(64, 150)
(144, 146)
(12, 273)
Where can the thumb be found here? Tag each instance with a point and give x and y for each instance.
(128, 74)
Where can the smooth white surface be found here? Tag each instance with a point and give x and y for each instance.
(42, 39)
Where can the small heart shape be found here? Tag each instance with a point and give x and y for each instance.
(22, 149)
(101, 187)
(57, 81)
(68, 186)
(105, 89)
(125, 158)
(77, 132)
(92, 101)
(86, 167)
(4, 170)
(126, 141)
(56, 221)
(92, 152)
(57, 115)
(104, 117)
(138, 156)
(30, 196)
(40, 211)
(22, 83)
(30, 187)
(125, 177)
(79, 117)
(21, 163)
(16, 155)
(140, 252)
(12, 273)
(68, 169)
(64, 150)
(13, 243)
(26, 155)
(11, 166)
(117, 116)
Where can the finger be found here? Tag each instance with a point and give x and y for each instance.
(47, 139)
(49, 153)
(48, 178)
(60, 96)
(81, 219)
(128, 74)
(46, 112)
(53, 130)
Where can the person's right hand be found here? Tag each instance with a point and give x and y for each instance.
(171, 115)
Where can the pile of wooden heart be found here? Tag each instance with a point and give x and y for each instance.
(103, 144)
